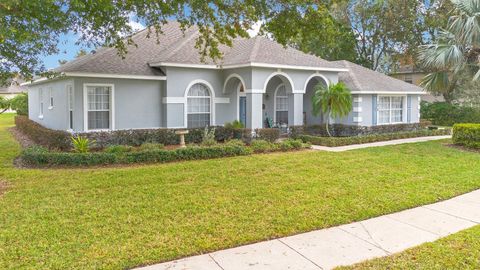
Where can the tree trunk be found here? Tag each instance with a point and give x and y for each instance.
(328, 124)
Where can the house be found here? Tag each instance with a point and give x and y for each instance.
(166, 85)
(12, 89)
(411, 74)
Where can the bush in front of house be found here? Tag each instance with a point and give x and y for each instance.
(52, 139)
(340, 130)
(467, 135)
(341, 141)
(268, 134)
(445, 114)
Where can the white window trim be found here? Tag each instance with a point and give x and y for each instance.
(85, 106)
(212, 103)
(68, 87)
(41, 105)
(50, 98)
(404, 110)
(275, 101)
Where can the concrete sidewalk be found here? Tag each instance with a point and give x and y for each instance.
(376, 144)
(345, 244)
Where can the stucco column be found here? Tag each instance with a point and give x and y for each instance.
(254, 110)
(295, 109)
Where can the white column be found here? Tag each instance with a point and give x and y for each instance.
(295, 109)
(254, 110)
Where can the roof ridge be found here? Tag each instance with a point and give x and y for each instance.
(256, 46)
(193, 33)
(352, 74)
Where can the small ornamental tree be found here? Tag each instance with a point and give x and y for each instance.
(4, 104)
(333, 101)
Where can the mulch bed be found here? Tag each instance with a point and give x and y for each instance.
(463, 148)
(21, 138)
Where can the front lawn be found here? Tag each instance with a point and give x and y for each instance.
(122, 217)
(457, 251)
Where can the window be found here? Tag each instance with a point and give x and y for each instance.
(198, 106)
(99, 100)
(408, 78)
(50, 94)
(70, 106)
(40, 101)
(390, 109)
(281, 105)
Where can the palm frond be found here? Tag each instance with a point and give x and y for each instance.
(435, 81)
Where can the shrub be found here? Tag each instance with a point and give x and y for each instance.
(81, 144)
(467, 135)
(235, 142)
(445, 114)
(290, 144)
(262, 146)
(116, 149)
(151, 146)
(341, 141)
(234, 125)
(52, 139)
(20, 104)
(38, 157)
(340, 130)
(208, 138)
(133, 137)
(268, 134)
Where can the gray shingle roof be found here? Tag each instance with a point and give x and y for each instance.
(174, 46)
(361, 79)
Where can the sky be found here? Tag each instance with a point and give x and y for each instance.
(68, 49)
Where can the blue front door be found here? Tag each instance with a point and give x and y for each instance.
(243, 110)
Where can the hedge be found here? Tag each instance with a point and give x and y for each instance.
(467, 135)
(341, 141)
(445, 114)
(52, 139)
(340, 130)
(38, 156)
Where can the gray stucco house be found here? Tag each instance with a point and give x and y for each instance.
(166, 85)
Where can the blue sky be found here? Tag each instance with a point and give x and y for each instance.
(67, 48)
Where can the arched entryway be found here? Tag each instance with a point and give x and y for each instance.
(311, 83)
(277, 106)
(234, 86)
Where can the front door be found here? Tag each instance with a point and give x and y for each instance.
(243, 110)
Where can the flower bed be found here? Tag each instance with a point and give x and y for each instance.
(39, 156)
(341, 141)
(467, 135)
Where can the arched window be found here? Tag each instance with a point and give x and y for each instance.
(281, 105)
(198, 106)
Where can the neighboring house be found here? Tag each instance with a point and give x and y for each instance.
(411, 74)
(165, 85)
(12, 89)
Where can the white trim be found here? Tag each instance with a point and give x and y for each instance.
(357, 109)
(404, 110)
(222, 100)
(357, 99)
(67, 86)
(276, 74)
(233, 75)
(254, 91)
(239, 94)
(252, 64)
(96, 75)
(358, 119)
(327, 81)
(41, 104)
(386, 93)
(173, 100)
(85, 106)
(212, 103)
(275, 101)
(50, 98)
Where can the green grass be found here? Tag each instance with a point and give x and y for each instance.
(122, 217)
(457, 251)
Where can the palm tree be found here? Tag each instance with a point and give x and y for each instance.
(333, 101)
(456, 51)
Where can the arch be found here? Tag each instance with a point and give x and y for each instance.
(212, 101)
(231, 76)
(275, 95)
(327, 82)
(278, 73)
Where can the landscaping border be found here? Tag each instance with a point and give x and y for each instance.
(342, 141)
(467, 135)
